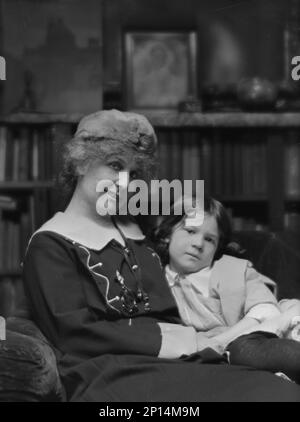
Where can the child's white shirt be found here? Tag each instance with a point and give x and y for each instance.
(200, 280)
(200, 307)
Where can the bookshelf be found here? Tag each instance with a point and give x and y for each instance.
(27, 185)
(250, 161)
(176, 119)
(30, 158)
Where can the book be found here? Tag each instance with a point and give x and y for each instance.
(9, 159)
(7, 203)
(23, 163)
(35, 155)
(16, 157)
(176, 154)
(206, 164)
(15, 231)
(187, 150)
(163, 155)
(228, 167)
(3, 145)
(217, 165)
(195, 158)
(292, 166)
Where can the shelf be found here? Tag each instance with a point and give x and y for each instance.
(292, 199)
(163, 118)
(40, 118)
(26, 185)
(214, 120)
(241, 198)
(10, 273)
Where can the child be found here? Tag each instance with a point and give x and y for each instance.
(224, 297)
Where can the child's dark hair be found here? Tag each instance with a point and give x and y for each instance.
(212, 207)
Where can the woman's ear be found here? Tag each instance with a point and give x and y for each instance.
(81, 170)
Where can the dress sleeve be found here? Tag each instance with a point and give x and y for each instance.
(260, 302)
(53, 284)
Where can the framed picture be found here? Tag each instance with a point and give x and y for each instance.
(160, 68)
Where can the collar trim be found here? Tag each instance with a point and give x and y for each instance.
(87, 232)
(173, 277)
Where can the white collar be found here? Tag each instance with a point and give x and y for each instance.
(173, 277)
(89, 233)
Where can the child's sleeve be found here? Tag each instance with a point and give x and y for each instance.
(260, 303)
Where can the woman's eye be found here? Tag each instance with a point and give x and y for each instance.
(190, 231)
(133, 175)
(210, 239)
(116, 166)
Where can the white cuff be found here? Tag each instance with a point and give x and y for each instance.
(177, 340)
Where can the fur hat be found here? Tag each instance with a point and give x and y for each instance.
(119, 126)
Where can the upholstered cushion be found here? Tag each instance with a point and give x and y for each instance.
(28, 370)
(277, 255)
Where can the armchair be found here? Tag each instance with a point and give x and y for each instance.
(28, 370)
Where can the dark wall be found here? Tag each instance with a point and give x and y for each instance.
(53, 49)
(250, 30)
(255, 26)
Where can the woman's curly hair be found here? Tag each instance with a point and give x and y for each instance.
(80, 152)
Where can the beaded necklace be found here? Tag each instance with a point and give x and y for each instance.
(130, 298)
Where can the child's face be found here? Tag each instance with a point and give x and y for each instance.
(193, 248)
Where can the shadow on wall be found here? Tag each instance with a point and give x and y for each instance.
(238, 37)
(60, 45)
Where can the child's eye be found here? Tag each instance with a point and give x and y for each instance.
(210, 240)
(133, 175)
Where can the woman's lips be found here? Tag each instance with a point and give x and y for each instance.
(112, 195)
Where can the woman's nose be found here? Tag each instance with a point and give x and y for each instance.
(123, 179)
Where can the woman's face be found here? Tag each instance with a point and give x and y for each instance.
(89, 182)
(193, 248)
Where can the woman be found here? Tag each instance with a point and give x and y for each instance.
(98, 292)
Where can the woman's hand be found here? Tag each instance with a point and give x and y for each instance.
(294, 333)
(212, 343)
(290, 307)
(289, 318)
(283, 324)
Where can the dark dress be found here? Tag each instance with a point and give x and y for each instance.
(103, 353)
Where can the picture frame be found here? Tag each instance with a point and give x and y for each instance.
(160, 68)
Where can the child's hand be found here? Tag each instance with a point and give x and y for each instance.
(290, 306)
(294, 332)
(287, 322)
(290, 317)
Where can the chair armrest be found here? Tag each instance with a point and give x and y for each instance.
(28, 370)
(276, 255)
